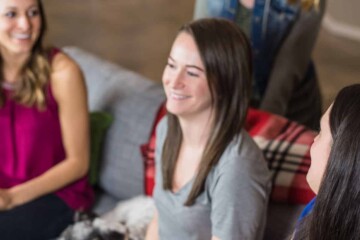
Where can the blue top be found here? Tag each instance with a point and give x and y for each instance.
(307, 210)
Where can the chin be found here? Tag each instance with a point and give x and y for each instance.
(312, 184)
(21, 50)
(23, 47)
(173, 109)
(26, 48)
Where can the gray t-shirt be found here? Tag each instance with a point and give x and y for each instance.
(233, 204)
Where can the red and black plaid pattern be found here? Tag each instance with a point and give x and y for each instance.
(148, 152)
(286, 147)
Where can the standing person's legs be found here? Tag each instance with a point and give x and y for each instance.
(42, 219)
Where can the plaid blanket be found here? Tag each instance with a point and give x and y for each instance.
(286, 147)
(148, 153)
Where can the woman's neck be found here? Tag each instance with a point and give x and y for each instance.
(12, 65)
(196, 132)
(11, 74)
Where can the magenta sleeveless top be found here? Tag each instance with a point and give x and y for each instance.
(31, 143)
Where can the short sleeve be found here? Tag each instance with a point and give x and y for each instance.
(240, 195)
(160, 138)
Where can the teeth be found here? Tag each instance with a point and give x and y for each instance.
(21, 36)
(178, 96)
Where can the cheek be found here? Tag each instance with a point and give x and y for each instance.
(313, 150)
(36, 23)
(320, 151)
(319, 158)
(166, 82)
(5, 27)
(165, 77)
(203, 89)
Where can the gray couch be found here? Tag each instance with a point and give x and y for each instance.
(133, 101)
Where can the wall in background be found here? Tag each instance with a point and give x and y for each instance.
(342, 18)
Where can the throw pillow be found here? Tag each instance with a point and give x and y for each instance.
(148, 152)
(286, 147)
(99, 123)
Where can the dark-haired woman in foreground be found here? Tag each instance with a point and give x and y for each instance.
(334, 174)
(211, 179)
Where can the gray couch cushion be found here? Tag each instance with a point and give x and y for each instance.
(122, 173)
(106, 81)
(133, 101)
(104, 204)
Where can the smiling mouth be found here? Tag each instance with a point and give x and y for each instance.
(21, 36)
(177, 96)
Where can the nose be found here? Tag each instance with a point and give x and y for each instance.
(24, 23)
(316, 137)
(177, 80)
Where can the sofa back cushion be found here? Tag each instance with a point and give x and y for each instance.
(132, 101)
(105, 81)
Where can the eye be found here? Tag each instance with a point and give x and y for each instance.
(33, 12)
(170, 65)
(10, 14)
(192, 74)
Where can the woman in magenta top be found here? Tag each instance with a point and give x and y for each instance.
(44, 150)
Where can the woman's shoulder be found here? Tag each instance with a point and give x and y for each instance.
(244, 145)
(242, 153)
(62, 63)
(242, 162)
(66, 76)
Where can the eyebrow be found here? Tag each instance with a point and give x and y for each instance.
(15, 7)
(10, 8)
(189, 66)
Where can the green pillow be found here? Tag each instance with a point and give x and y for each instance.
(99, 123)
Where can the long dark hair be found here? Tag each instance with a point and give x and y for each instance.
(226, 54)
(336, 214)
(35, 72)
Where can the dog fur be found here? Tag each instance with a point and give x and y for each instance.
(128, 220)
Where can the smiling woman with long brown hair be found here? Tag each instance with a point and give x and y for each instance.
(212, 181)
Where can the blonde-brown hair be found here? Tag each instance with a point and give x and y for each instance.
(34, 74)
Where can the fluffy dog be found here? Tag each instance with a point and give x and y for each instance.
(128, 220)
(135, 214)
